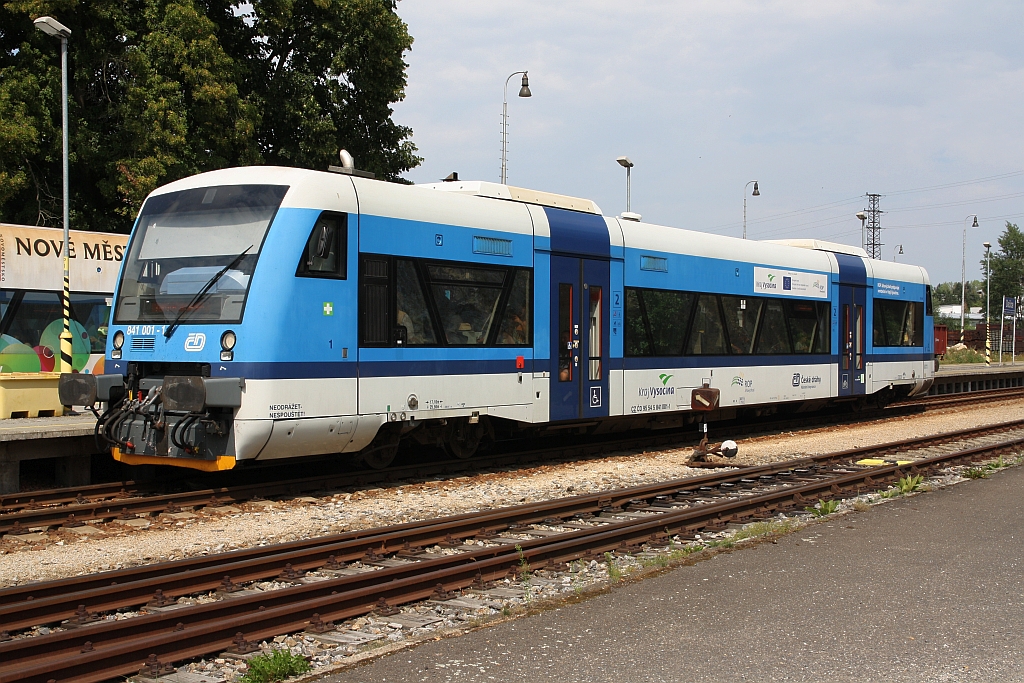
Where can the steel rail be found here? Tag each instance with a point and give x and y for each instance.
(101, 651)
(52, 507)
(521, 513)
(47, 602)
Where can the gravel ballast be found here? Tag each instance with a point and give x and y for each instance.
(67, 553)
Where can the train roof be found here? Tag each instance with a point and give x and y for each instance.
(459, 203)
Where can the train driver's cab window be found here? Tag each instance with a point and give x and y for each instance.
(326, 252)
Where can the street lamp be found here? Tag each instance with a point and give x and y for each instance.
(863, 222)
(523, 92)
(988, 296)
(894, 252)
(625, 163)
(963, 275)
(52, 27)
(755, 193)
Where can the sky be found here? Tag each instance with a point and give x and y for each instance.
(821, 102)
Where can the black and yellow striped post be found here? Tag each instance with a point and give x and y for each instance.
(65, 336)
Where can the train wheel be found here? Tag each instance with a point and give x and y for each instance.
(463, 439)
(381, 452)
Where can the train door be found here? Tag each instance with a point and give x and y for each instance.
(579, 340)
(852, 331)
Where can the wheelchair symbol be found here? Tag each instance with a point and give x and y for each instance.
(595, 397)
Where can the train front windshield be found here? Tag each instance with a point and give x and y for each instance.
(183, 241)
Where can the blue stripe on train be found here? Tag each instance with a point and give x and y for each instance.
(422, 368)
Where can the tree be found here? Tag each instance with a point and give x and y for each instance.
(1007, 267)
(163, 89)
(948, 293)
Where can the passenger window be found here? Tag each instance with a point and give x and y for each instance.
(898, 323)
(637, 343)
(668, 314)
(707, 336)
(740, 320)
(326, 252)
(515, 328)
(773, 338)
(412, 316)
(467, 302)
(808, 324)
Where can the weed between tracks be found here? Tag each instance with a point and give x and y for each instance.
(823, 507)
(276, 666)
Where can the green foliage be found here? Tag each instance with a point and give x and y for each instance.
(966, 355)
(1007, 267)
(823, 507)
(999, 464)
(976, 473)
(756, 529)
(948, 293)
(524, 572)
(909, 484)
(614, 572)
(277, 666)
(163, 89)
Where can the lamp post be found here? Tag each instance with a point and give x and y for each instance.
(894, 251)
(988, 296)
(52, 27)
(963, 275)
(755, 193)
(625, 163)
(863, 222)
(523, 92)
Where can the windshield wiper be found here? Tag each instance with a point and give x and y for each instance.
(202, 292)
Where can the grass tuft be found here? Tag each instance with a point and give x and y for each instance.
(277, 666)
(614, 572)
(909, 484)
(823, 507)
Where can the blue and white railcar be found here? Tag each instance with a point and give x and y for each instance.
(267, 313)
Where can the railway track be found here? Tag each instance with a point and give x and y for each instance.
(22, 512)
(543, 534)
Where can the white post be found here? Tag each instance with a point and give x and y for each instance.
(1002, 323)
(1013, 344)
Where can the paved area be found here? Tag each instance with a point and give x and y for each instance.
(927, 588)
(27, 428)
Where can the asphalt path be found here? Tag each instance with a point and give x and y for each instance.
(923, 588)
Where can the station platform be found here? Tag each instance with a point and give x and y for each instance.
(68, 439)
(967, 377)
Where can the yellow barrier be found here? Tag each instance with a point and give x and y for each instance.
(29, 394)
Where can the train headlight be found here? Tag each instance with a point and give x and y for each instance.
(118, 343)
(227, 344)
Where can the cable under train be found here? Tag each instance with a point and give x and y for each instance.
(265, 313)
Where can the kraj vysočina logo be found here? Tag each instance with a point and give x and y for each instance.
(663, 390)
